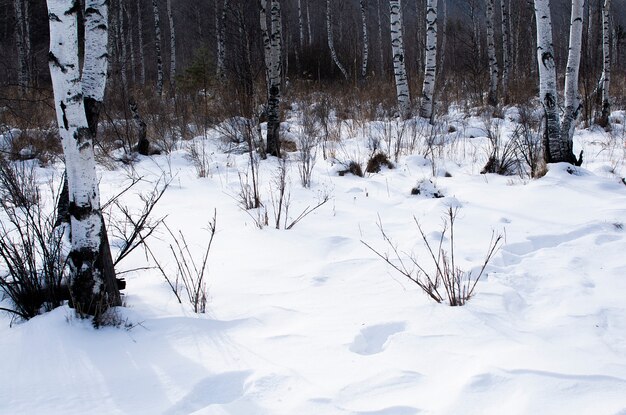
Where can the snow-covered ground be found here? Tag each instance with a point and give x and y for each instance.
(309, 321)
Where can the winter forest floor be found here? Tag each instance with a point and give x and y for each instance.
(310, 321)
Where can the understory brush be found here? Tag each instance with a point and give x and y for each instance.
(444, 281)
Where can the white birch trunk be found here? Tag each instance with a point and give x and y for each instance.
(157, 46)
(399, 67)
(547, 83)
(572, 96)
(272, 51)
(90, 292)
(442, 47)
(492, 98)
(131, 43)
(308, 23)
(606, 63)
(381, 56)
(170, 17)
(142, 56)
(123, 51)
(365, 38)
(23, 78)
(331, 44)
(221, 40)
(430, 71)
(505, 49)
(300, 25)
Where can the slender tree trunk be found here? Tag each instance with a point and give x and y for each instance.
(428, 88)
(420, 32)
(365, 38)
(131, 43)
(221, 39)
(492, 98)
(157, 45)
(555, 150)
(331, 44)
(142, 56)
(300, 26)
(606, 63)
(93, 287)
(572, 97)
(308, 23)
(381, 56)
(170, 17)
(272, 47)
(122, 50)
(505, 50)
(399, 68)
(23, 54)
(442, 47)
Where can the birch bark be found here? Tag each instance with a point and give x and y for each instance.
(606, 63)
(170, 17)
(157, 46)
(23, 79)
(142, 56)
(572, 96)
(399, 67)
(272, 47)
(331, 43)
(492, 98)
(505, 49)
(365, 38)
(92, 293)
(428, 88)
(547, 81)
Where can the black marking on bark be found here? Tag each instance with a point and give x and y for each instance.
(80, 213)
(53, 17)
(55, 61)
(545, 57)
(65, 122)
(74, 9)
(102, 26)
(83, 137)
(92, 10)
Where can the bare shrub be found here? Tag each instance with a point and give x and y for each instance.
(197, 154)
(32, 252)
(447, 283)
(526, 141)
(377, 161)
(307, 143)
(190, 277)
(502, 159)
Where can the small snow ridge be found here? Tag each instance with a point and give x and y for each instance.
(217, 389)
(372, 339)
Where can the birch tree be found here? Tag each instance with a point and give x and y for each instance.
(572, 96)
(430, 71)
(170, 17)
(606, 63)
(399, 68)
(92, 282)
(273, 65)
(504, 11)
(22, 38)
(157, 46)
(492, 98)
(556, 146)
(363, 4)
(221, 38)
(331, 43)
(142, 55)
(381, 56)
